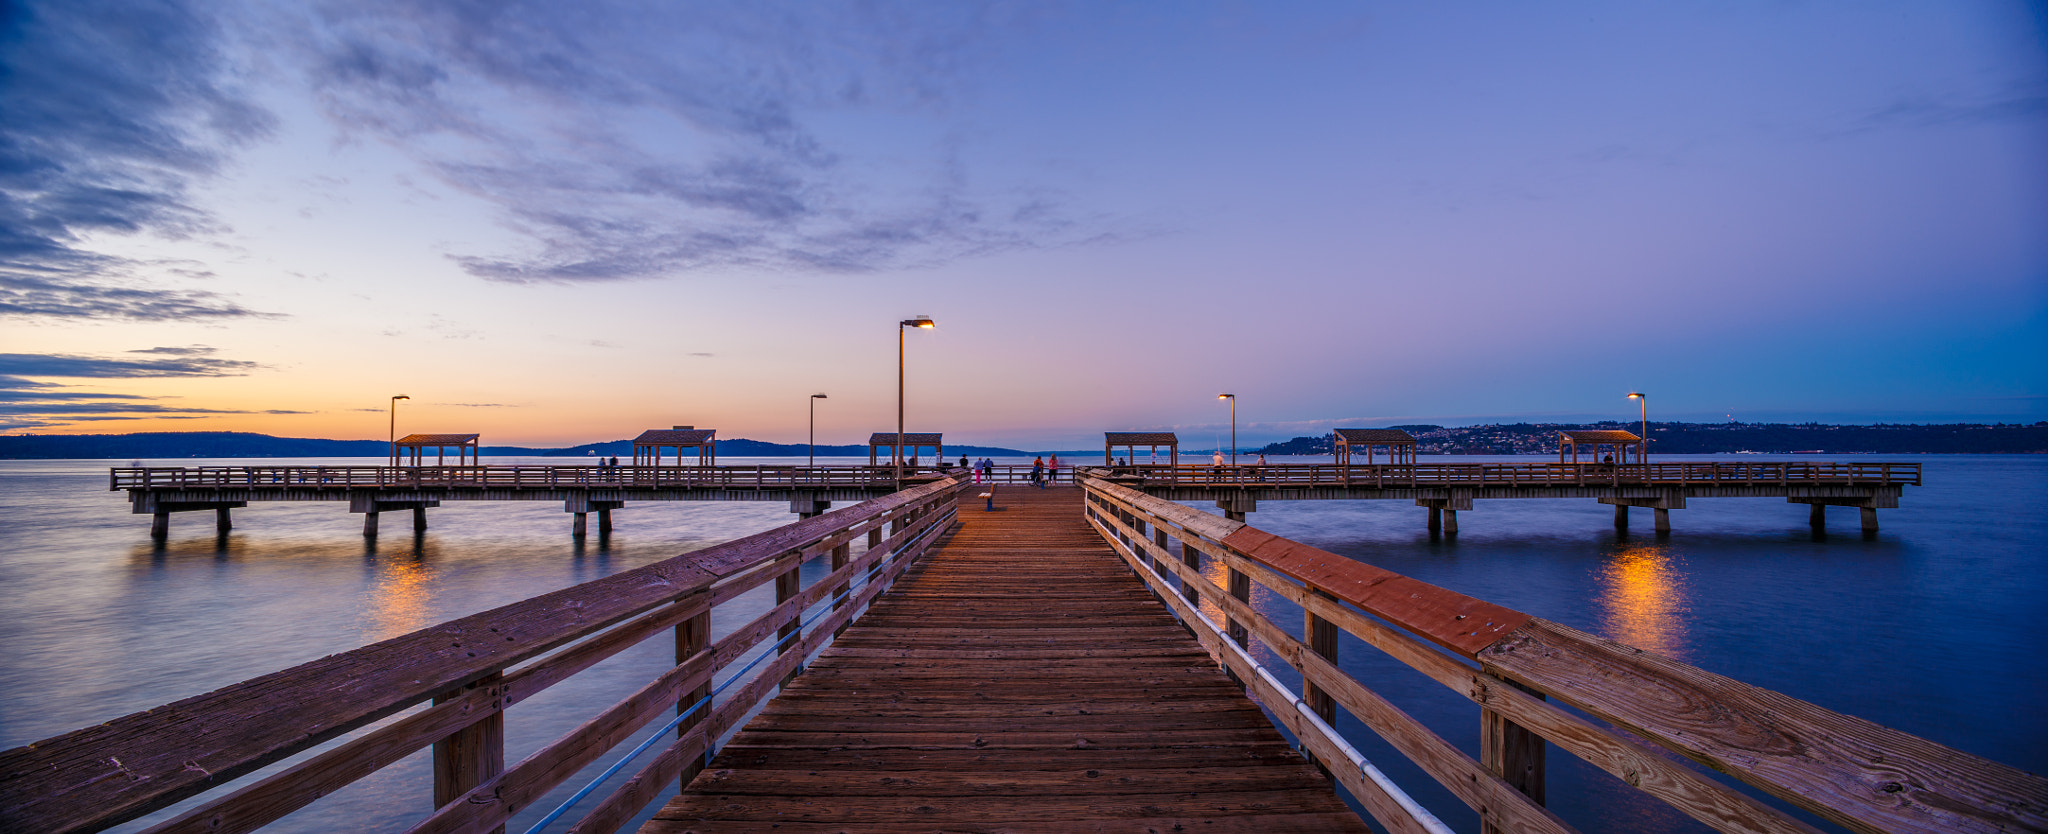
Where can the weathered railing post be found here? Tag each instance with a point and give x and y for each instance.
(472, 755)
(1510, 751)
(1322, 639)
(841, 556)
(787, 585)
(1193, 559)
(693, 636)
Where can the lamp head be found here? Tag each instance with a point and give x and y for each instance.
(401, 397)
(1226, 396)
(818, 396)
(1636, 396)
(924, 322)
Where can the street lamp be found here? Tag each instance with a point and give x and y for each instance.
(814, 428)
(925, 323)
(1233, 425)
(1643, 454)
(393, 440)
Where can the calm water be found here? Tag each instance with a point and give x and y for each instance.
(1920, 628)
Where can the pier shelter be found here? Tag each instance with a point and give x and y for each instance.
(465, 446)
(1131, 440)
(1399, 444)
(1618, 441)
(913, 442)
(647, 448)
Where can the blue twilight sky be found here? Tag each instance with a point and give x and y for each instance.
(565, 222)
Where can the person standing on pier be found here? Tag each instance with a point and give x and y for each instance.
(1038, 472)
(1052, 470)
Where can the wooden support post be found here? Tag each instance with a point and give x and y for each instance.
(1241, 588)
(1514, 754)
(841, 557)
(692, 636)
(1436, 519)
(419, 519)
(604, 522)
(1621, 516)
(787, 585)
(580, 526)
(221, 520)
(1450, 522)
(1663, 520)
(1869, 519)
(1817, 515)
(472, 755)
(370, 524)
(159, 525)
(1234, 515)
(1159, 540)
(874, 538)
(1322, 639)
(1193, 559)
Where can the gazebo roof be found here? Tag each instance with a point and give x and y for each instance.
(910, 438)
(1140, 438)
(675, 437)
(1377, 436)
(1578, 438)
(437, 439)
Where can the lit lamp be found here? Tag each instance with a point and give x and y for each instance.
(1643, 453)
(814, 428)
(1233, 425)
(923, 323)
(394, 427)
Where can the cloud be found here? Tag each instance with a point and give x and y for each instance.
(114, 111)
(96, 367)
(630, 142)
(478, 405)
(2014, 103)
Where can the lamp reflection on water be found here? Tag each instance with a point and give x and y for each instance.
(397, 600)
(1642, 599)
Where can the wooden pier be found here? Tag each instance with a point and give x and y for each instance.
(1447, 488)
(1020, 678)
(969, 664)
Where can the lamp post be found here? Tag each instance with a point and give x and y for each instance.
(814, 428)
(922, 322)
(1233, 425)
(1643, 454)
(393, 440)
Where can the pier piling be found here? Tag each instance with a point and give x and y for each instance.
(160, 525)
(370, 524)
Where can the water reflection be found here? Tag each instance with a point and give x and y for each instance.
(399, 598)
(1642, 598)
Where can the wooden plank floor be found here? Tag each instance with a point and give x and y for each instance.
(1019, 679)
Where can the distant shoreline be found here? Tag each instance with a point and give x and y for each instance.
(1514, 439)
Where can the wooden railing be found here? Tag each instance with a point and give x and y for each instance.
(1860, 775)
(507, 477)
(1543, 473)
(471, 670)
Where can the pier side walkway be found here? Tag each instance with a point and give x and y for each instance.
(1018, 679)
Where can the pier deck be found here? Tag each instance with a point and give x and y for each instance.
(1020, 677)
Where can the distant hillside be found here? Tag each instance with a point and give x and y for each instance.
(234, 444)
(1722, 438)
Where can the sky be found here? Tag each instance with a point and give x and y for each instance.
(558, 223)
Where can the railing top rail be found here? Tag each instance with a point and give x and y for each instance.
(90, 778)
(1853, 772)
